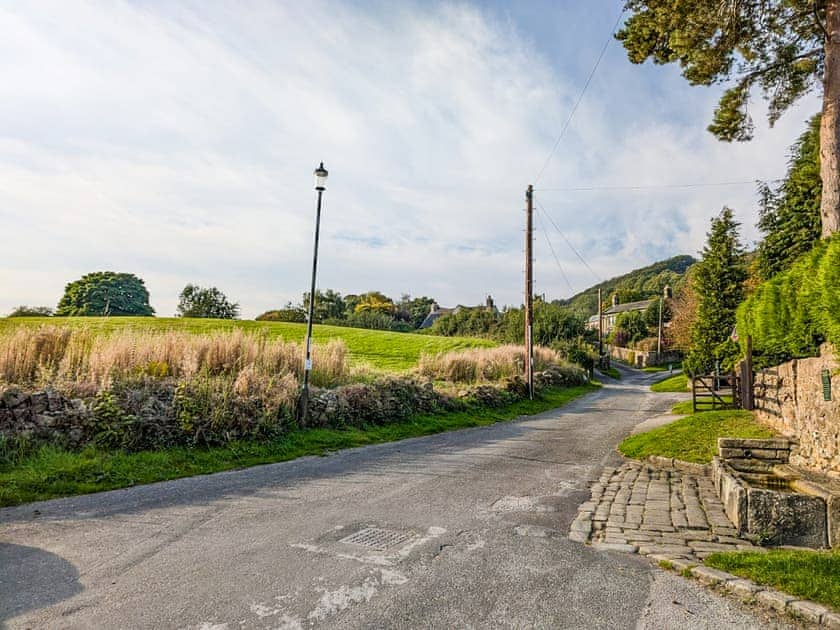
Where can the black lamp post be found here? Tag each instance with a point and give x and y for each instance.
(320, 186)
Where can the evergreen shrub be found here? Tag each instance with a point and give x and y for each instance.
(790, 315)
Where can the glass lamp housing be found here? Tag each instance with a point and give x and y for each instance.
(321, 177)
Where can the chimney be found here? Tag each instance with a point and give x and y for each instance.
(489, 303)
(615, 299)
(667, 293)
(434, 307)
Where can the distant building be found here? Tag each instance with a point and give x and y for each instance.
(611, 314)
(437, 311)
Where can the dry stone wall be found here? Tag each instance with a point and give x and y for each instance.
(789, 398)
(642, 358)
(43, 416)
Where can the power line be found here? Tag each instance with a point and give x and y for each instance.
(655, 186)
(553, 253)
(580, 96)
(572, 247)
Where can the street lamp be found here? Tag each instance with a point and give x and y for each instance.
(320, 186)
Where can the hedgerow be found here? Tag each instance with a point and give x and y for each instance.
(793, 313)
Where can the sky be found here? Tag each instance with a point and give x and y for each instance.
(177, 140)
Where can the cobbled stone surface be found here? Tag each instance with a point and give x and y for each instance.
(675, 518)
(662, 511)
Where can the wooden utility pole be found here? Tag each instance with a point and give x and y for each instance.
(748, 380)
(529, 291)
(659, 333)
(600, 331)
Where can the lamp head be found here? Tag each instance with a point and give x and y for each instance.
(321, 177)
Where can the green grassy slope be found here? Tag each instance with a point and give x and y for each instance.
(675, 383)
(694, 438)
(381, 349)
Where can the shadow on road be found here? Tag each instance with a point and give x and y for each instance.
(33, 578)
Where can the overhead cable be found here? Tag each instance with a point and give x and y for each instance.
(572, 247)
(655, 186)
(553, 253)
(580, 96)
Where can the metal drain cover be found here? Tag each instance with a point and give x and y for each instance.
(379, 539)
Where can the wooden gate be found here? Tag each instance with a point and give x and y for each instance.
(712, 392)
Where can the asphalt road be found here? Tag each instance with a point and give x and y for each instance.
(474, 535)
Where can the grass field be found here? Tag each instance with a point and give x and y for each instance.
(380, 349)
(812, 575)
(52, 472)
(694, 438)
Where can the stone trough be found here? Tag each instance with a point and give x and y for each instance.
(770, 500)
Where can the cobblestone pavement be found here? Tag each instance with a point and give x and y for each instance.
(641, 509)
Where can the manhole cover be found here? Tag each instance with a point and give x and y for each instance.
(379, 539)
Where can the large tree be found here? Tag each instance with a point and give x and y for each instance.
(782, 48)
(718, 280)
(375, 302)
(196, 301)
(105, 293)
(328, 305)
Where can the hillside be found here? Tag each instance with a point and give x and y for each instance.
(639, 284)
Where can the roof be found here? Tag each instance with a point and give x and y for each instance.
(629, 306)
(432, 317)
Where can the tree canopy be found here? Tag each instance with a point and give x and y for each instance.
(210, 302)
(782, 49)
(31, 311)
(773, 45)
(105, 293)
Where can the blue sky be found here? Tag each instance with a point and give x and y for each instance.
(177, 141)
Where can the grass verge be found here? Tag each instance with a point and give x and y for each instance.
(52, 472)
(686, 406)
(663, 368)
(694, 438)
(683, 408)
(812, 575)
(675, 383)
(611, 372)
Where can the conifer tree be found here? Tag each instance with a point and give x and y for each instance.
(718, 280)
(790, 214)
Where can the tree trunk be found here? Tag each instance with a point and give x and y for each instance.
(830, 125)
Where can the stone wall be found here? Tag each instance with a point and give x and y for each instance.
(641, 358)
(789, 398)
(43, 416)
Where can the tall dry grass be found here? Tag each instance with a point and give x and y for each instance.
(484, 364)
(82, 360)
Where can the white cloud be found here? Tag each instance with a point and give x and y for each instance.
(178, 144)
